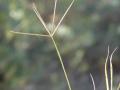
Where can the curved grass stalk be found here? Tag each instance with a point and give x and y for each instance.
(111, 69)
(106, 74)
(93, 82)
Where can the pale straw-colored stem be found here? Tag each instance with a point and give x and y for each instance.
(111, 69)
(106, 74)
(62, 18)
(30, 34)
(61, 61)
(54, 14)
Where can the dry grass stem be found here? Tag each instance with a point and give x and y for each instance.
(61, 61)
(106, 75)
(111, 69)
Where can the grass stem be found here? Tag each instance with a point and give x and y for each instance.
(61, 61)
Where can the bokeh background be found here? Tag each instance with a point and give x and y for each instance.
(31, 63)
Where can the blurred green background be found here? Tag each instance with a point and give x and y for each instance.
(31, 63)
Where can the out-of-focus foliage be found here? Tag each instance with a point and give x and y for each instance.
(31, 62)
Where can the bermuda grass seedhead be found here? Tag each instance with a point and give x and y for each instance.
(49, 34)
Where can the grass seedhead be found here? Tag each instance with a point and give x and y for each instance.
(49, 34)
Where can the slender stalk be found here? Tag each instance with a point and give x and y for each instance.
(61, 61)
(111, 69)
(30, 34)
(54, 14)
(93, 82)
(111, 76)
(106, 74)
